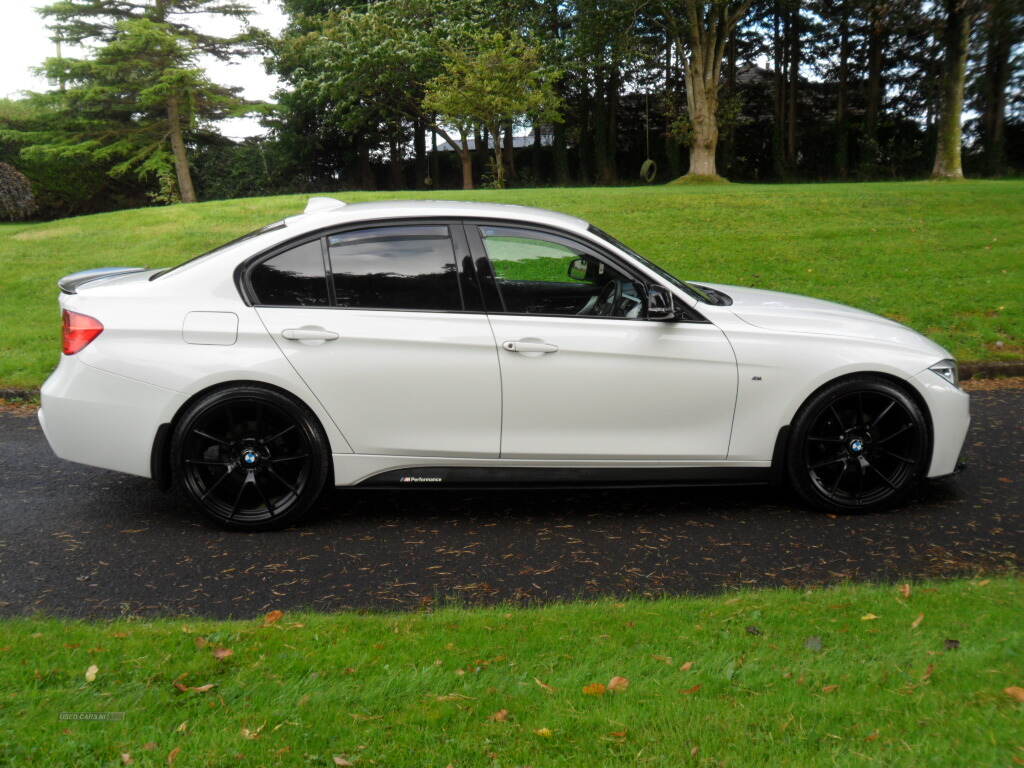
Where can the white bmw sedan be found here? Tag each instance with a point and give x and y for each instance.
(437, 344)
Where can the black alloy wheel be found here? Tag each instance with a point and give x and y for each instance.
(860, 445)
(250, 458)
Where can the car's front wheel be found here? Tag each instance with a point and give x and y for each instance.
(858, 445)
(250, 458)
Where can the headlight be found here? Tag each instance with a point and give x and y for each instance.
(947, 369)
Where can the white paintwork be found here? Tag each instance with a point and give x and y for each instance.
(403, 389)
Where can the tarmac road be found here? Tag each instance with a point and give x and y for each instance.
(84, 542)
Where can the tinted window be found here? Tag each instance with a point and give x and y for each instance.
(294, 278)
(548, 276)
(395, 268)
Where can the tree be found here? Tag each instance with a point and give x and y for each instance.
(142, 92)
(1003, 28)
(956, 36)
(16, 200)
(703, 30)
(494, 81)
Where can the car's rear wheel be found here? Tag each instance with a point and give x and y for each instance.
(250, 457)
(859, 445)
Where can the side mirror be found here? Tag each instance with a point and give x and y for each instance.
(660, 305)
(579, 269)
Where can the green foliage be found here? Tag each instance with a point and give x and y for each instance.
(16, 199)
(141, 86)
(494, 80)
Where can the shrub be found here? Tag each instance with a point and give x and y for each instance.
(17, 202)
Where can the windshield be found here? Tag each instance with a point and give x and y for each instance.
(262, 230)
(690, 289)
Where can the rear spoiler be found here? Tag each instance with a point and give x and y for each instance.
(69, 283)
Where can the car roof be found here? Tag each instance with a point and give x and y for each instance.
(321, 213)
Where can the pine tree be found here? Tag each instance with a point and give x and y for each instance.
(141, 92)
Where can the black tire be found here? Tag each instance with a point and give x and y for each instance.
(250, 458)
(858, 445)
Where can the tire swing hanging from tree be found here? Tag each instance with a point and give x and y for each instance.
(649, 168)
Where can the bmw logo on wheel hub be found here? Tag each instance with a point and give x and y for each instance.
(856, 445)
(249, 457)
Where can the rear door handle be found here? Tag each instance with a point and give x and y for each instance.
(309, 333)
(529, 346)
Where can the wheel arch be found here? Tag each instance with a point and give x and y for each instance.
(160, 455)
(780, 450)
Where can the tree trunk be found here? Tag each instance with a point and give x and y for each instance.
(367, 180)
(996, 78)
(420, 149)
(395, 154)
(873, 97)
(794, 82)
(509, 154)
(482, 153)
(536, 153)
(705, 139)
(435, 162)
(467, 168)
(185, 188)
(499, 165)
(842, 99)
(779, 126)
(956, 40)
(560, 154)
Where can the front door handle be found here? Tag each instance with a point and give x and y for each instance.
(528, 346)
(309, 333)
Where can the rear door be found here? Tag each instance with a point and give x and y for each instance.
(388, 330)
(584, 374)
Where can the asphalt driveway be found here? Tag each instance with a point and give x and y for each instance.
(85, 542)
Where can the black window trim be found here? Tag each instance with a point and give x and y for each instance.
(485, 271)
(456, 236)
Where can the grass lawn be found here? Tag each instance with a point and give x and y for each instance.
(846, 676)
(945, 258)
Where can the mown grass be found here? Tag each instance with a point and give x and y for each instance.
(766, 678)
(945, 258)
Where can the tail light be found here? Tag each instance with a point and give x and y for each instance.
(78, 331)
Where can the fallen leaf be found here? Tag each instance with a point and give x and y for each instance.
(127, 759)
(917, 622)
(501, 716)
(829, 688)
(339, 760)
(688, 691)
(868, 617)
(173, 755)
(618, 735)
(873, 736)
(183, 728)
(547, 733)
(660, 657)
(90, 673)
(198, 689)
(149, 746)
(952, 645)
(595, 689)
(686, 667)
(694, 751)
(223, 653)
(545, 686)
(201, 642)
(1015, 692)
(983, 582)
(618, 684)
(252, 734)
(905, 590)
(752, 630)
(813, 643)
(272, 618)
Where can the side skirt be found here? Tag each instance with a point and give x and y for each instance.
(565, 477)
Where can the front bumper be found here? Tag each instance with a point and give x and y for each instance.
(949, 408)
(103, 419)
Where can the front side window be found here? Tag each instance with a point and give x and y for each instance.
(295, 278)
(403, 267)
(548, 275)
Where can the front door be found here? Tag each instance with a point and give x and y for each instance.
(401, 363)
(583, 375)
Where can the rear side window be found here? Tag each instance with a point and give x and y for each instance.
(403, 267)
(294, 278)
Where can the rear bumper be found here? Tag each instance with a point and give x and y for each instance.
(951, 417)
(102, 419)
